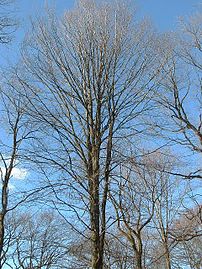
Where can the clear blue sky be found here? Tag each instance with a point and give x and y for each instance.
(164, 14)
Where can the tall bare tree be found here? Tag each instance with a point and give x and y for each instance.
(88, 79)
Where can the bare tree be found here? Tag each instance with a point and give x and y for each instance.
(187, 233)
(134, 199)
(181, 92)
(118, 252)
(7, 22)
(172, 194)
(86, 83)
(15, 131)
(40, 240)
(148, 204)
(191, 253)
(87, 79)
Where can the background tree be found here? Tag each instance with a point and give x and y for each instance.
(39, 241)
(15, 132)
(134, 200)
(7, 22)
(181, 92)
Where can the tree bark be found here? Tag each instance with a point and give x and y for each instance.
(1, 234)
(167, 256)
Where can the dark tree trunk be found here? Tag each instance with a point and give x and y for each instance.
(1, 235)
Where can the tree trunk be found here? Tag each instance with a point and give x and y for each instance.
(168, 263)
(1, 235)
(139, 260)
(97, 255)
(137, 247)
(95, 234)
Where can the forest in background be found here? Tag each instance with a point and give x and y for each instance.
(101, 141)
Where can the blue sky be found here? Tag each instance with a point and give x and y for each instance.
(163, 13)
